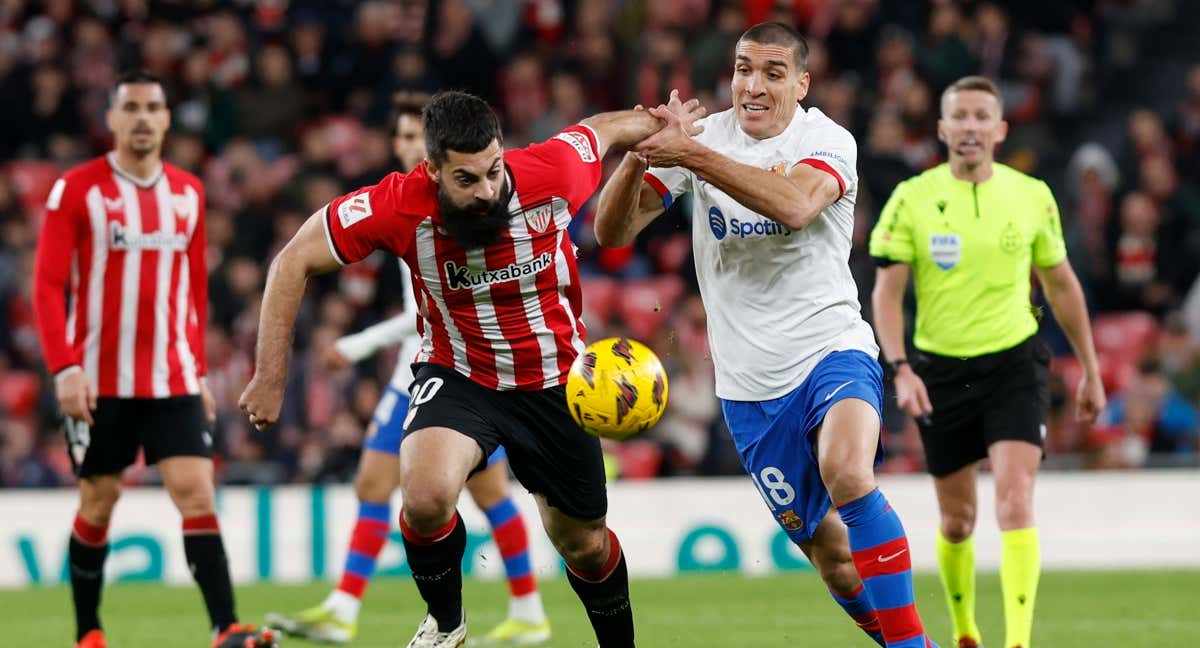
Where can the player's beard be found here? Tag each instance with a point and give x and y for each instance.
(478, 225)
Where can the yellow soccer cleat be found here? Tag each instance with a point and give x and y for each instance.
(513, 632)
(316, 624)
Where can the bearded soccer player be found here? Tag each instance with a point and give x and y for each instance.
(335, 620)
(124, 238)
(484, 232)
(773, 188)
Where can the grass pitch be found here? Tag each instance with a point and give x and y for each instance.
(1129, 609)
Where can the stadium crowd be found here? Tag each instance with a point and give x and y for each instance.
(280, 105)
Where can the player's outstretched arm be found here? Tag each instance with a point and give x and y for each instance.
(307, 254)
(793, 200)
(622, 129)
(627, 204)
(1065, 297)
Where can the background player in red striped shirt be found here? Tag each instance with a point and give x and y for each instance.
(484, 232)
(120, 291)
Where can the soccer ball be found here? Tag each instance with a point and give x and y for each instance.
(616, 388)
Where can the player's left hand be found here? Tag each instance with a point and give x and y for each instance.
(210, 403)
(1089, 399)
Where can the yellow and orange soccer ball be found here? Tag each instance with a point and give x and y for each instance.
(617, 388)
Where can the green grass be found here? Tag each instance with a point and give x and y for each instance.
(1127, 609)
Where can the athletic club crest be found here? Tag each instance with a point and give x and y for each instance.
(539, 218)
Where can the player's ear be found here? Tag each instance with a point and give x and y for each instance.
(802, 84)
(1001, 131)
(431, 169)
(941, 133)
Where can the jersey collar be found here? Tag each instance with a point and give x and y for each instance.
(144, 183)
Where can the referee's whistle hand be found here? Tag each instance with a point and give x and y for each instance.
(1089, 400)
(261, 401)
(911, 395)
(76, 395)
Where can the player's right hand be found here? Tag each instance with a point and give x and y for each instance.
(333, 360)
(261, 401)
(911, 394)
(689, 112)
(76, 394)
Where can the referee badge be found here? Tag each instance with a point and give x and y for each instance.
(945, 250)
(1011, 240)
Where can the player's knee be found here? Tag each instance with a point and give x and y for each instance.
(97, 500)
(847, 482)
(958, 526)
(1014, 507)
(194, 497)
(583, 549)
(428, 507)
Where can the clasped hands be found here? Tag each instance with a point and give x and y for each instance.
(671, 145)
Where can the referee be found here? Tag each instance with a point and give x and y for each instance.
(969, 230)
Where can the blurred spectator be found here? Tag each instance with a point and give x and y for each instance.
(665, 67)
(944, 56)
(1149, 416)
(1087, 210)
(1187, 125)
(567, 106)
(272, 108)
(1144, 258)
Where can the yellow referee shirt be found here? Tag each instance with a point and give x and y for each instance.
(971, 246)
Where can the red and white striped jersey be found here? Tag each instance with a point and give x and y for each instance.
(507, 316)
(130, 253)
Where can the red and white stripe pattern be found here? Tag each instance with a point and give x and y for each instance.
(132, 323)
(517, 334)
(505, 315)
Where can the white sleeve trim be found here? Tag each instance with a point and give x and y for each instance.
(595, 138)
(329, 237)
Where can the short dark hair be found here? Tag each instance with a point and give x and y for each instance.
(405, 103)
(458, 121)
(777, 33)
(135, 76)
(979, 83)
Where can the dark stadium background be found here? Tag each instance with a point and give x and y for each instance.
(280, 105)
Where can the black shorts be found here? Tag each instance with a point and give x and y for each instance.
(163, 427)
(549, 453)
(1002, 396)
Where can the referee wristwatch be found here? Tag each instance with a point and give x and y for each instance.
(894, 366)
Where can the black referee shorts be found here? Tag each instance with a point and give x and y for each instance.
(162, 427)
(1002, 396)
(547, 450)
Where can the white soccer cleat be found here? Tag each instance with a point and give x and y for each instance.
(429, 635)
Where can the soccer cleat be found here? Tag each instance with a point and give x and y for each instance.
(967, 642)
(244, 635)
(315, 624)
(93, 639)
(429, 636)
(514, 632)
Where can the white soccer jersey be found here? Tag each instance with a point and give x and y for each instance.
(777, 300)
